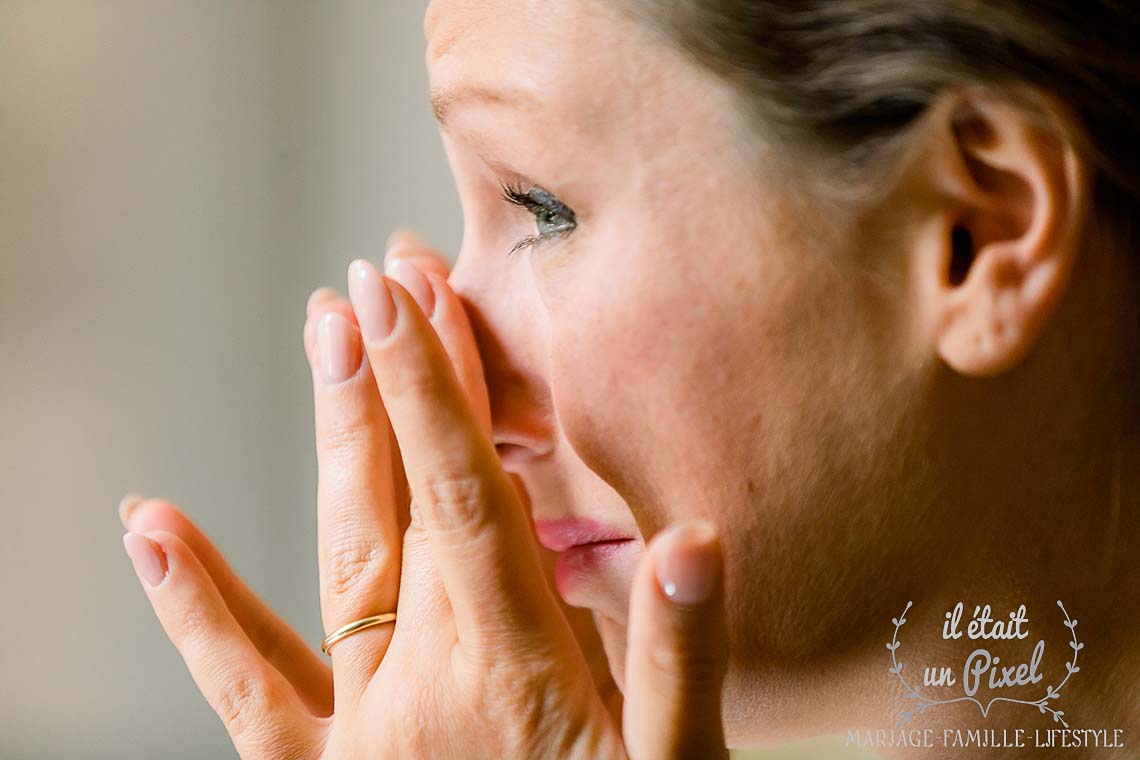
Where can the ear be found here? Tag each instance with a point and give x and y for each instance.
(1007, 196)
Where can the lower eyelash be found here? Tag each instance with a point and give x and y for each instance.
(526, 242)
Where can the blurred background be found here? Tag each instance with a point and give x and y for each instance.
(175, 178)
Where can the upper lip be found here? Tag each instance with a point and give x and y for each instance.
(563, 533)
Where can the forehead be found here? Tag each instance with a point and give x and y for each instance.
(583, 63)
(483, 34)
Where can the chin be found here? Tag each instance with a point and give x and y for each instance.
(613, 635)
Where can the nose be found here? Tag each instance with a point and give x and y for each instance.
(509, 326)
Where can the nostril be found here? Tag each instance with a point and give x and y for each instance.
(532, 441)
(515, 454)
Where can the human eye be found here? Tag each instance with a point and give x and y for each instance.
(552, 217)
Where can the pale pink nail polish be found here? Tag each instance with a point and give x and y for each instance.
(338, 349)
(318, 295)
(375, 309)
(409, 275)
(127, 505)
(688, 562)
(148, 558)
(403, 236)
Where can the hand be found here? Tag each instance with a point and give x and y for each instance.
(405, 245)
(481, 661)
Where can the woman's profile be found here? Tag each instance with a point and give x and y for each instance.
(806, 334)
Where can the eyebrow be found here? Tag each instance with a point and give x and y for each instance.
(444, 98)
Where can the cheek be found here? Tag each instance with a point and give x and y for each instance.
(697, 384)
(603, 404)
(646, 372)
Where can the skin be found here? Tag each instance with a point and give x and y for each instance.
(715, 341)
(863, 431)
(480, 654)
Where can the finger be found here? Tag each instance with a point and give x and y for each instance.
(405, 244)
(478, 531)
(446, 313)
(263, 715)
(321, 301)
(426, 620)
(277, 642)
(357, 526)
(676, 654)
(319, 296)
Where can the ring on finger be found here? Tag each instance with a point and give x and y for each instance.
(355, 627)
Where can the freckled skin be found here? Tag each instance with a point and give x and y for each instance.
(703, 344)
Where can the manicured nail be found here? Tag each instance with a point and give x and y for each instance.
(409, 275)
(148, 558)
(688, 562)
(402, 236)
(127, 506)
(338, 349)
(375, 309)
(318, 295)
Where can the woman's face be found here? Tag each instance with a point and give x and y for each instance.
(682, 339)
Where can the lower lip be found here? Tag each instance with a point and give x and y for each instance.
(578, 562)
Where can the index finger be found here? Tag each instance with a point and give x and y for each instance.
(479, 533)
(406, 245)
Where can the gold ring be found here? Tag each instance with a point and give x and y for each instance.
(355, 627)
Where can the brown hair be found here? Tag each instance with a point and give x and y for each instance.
(841, 80)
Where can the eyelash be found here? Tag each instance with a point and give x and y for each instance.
(518, 196)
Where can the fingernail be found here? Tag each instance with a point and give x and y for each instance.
(318, 295)
(402, 236)
(409, 275)
(688, 562)
(148, 558)
(338, 350)
(127, 506)
(375, 309)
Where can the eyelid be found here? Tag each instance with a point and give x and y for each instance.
(516, 195)
(546, 203)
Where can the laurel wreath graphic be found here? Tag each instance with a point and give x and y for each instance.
(923, 703)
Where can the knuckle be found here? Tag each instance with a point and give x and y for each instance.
(687, 670)
(196, 627)
(454, 503)
(420, 732)
(413, 374)
(346, 433)
(358, 563)
(534, 693)
(243, 704)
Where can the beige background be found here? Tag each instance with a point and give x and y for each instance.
(175, 177)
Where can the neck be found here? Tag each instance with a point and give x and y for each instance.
(1064, 532)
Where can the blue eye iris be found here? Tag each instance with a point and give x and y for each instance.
(552, 217)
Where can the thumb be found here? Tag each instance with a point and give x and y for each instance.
(677, 650)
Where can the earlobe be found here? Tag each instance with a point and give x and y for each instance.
(995, 317)
(1013, 196)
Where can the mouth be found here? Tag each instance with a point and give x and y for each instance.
(584, 548)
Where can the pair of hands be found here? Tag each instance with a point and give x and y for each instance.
(416, 514)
